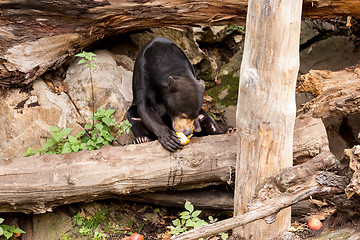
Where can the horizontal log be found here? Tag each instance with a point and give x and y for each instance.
(337, 93)
(37, 35)
(39, 183)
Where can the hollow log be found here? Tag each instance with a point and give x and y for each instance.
(38, 35)
(39, 183)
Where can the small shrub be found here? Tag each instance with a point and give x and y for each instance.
(8, 231)
(91, 138)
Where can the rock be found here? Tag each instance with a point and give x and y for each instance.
(212, 34)
(183, 38)
(308, 31)
(26, 117)
(112, 84)
(334, 53)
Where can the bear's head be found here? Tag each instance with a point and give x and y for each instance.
(183, 102)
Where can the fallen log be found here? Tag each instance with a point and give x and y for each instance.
(288, 187)
(39, 183)
(38, 35)
(337, 94)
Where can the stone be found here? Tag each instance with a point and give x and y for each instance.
(334, 53)
(112, 84)
(26, 117)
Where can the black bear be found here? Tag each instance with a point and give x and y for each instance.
(167, 98)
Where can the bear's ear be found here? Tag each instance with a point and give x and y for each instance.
(202, 84)
(173, 84)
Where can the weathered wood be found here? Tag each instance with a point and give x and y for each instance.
(265, 123)
(39, 183)
(62, 179)
(291, 185)
(337, 94)
(310, 138)
(37, 35)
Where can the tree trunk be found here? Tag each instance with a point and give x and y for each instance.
(286, 188)
(38, 183)
(266, 105)
(37, 35)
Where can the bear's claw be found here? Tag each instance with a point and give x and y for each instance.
(140, 140)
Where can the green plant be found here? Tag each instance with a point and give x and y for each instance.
(93, 137)
(189, 219)
(88, 225)
(8, 231)
(88, 58)
(235, 28)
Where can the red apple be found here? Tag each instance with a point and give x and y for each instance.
(314, 224)
(136, 236)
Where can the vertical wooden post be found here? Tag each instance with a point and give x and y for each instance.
(266, 105)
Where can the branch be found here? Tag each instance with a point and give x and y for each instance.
(299, 182)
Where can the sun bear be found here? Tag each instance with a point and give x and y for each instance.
(167, 98)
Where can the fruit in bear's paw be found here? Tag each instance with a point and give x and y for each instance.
(182, 137)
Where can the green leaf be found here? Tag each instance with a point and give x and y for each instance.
(54, 129)
(190, 223)
(99, 140)
(7, 234)
(88, 126)
(82, 61)
(82, 54)
(75, 148)
(49, 143)
(99, 126)
(2, 220)
(65, 131)
(196, 213)
(110, 112)
(176, 222)
(185, 215)
(72, 139)
(66, 148)
(1, 231)
(189, 206)
(18, 230)
(107, 120)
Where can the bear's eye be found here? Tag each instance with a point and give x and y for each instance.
(184, 116)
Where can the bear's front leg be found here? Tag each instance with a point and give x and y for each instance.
(169, 140)
(154, 124)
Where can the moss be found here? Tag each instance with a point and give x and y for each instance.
(226, 93)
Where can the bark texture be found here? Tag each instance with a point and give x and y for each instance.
(38, 35)
(39, 183)
(337, 93)
(266, 122)
(288, 187)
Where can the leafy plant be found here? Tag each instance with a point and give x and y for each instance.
(94, 136)
(235, 28)
(88, 225)
(189, 219)
(8, 231)
(87, 58)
